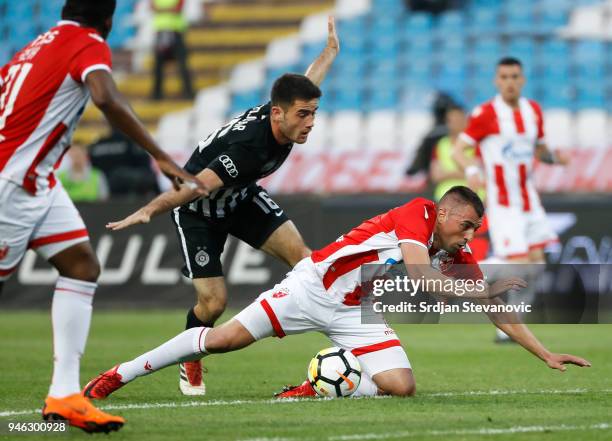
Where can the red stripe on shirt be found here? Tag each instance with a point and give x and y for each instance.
(523, 184)
(29, 180)
(518, 121)
(347, 264)
(502, 191)
(278, 329)
(61, 237)
(375, 347)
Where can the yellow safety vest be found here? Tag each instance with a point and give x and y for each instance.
(170, 20)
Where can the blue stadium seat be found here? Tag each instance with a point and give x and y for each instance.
(519, 19)
(244, 100)
(450, 25)
(588, 52)
(589, 96)
(484, 21)
(485, 54)
(420, 45)
(419, 23)
(381, 98)
(347, 99)
(384, 25)
(388, 7)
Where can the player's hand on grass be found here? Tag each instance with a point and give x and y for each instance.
(558, 361)
(179, 176)
(139, 217)
(333, 42)
(504, 285)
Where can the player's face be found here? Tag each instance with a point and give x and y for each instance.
(457, 226)
(509, 81)
(298, 120)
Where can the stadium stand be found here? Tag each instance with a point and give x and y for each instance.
(378, 94)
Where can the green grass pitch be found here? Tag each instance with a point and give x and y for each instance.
(467, 387)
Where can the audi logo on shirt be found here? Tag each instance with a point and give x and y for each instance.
(229, 165)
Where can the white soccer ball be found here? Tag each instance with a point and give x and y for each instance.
(334, 372)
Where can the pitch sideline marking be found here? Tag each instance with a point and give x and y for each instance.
(435, 433)
(140, 406)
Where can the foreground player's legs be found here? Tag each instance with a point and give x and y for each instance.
(71, 316)
(189, 345)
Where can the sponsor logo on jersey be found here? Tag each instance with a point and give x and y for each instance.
(229, 165)
(202, 258)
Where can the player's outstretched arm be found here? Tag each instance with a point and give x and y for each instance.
(510, 323)
(318, 69)
(117, 110)
(168, 201)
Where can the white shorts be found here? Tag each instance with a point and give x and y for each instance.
(515, 232)
(47, 223)
(296, 305)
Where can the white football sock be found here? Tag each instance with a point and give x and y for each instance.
(187, 346)
(366, 388)
(70, 317)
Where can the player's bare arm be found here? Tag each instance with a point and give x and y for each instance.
(509, 322)
(318, 69)
(169, 200)
(418, 265)
(544, 154)
(117, 110)
(469, 165)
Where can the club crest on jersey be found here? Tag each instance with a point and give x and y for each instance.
(442, 261)
(4, 249)
(229, 165)
(280, 294)
(202, 258)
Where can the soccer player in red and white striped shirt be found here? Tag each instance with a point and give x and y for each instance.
(508, 132)
(43, 91)
(323, 293)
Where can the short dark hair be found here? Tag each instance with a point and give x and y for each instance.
(290, 87)
(89, 12)
(510, 61)
(461, 193)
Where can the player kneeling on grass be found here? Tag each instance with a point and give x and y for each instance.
(323, 294)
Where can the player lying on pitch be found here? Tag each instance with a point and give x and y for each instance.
(323, 294)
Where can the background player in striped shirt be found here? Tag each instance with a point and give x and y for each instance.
(508, 132)
(323, 293)
(43, 92)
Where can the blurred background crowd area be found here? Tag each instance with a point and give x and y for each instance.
(403, 65)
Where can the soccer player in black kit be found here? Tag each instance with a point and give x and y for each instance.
(229, 162)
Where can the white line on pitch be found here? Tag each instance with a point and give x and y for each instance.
(136, 406)
(440, 433)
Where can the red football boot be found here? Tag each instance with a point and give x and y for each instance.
(301, 391)
(104, 384)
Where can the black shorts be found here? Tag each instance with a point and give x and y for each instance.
(202, 239)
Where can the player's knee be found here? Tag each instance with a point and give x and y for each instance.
(403, 386)
(218, 340)
(87, 269)
(407, 389)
